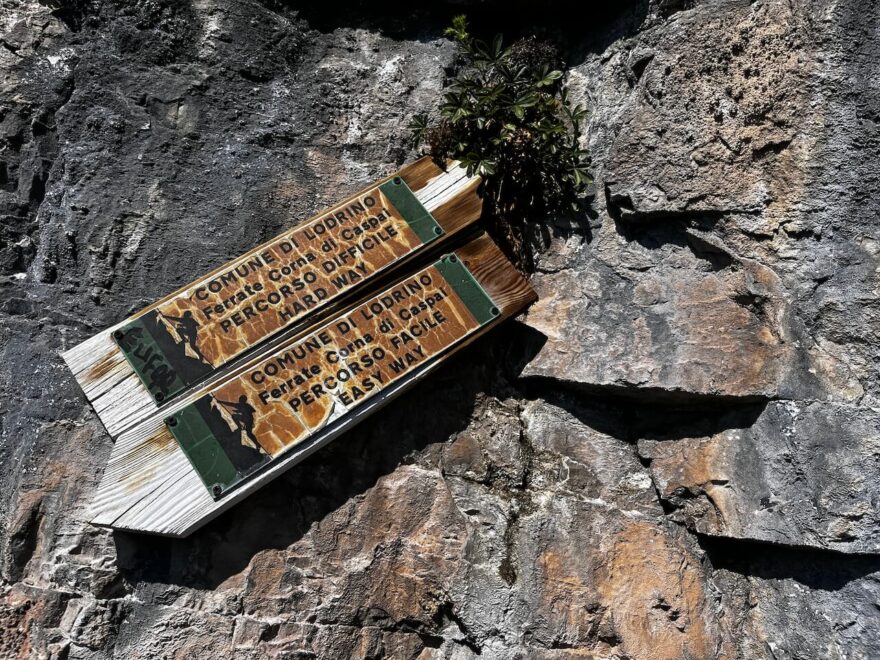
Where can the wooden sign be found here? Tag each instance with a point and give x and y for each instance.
(245, 423)
(308, 272)
(170, 476)
(202, 328)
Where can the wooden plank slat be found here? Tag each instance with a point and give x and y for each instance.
(151, 486)
(117, 393)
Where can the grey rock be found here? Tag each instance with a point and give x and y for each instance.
(802, 474)
(673, 454)
(682, 326)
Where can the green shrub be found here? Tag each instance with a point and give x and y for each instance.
(506, 116)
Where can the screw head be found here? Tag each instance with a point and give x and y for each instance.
(438, 231)
(171, 421)
(495, 311)
(397, 181)
(160, 397)
(217, 490)
(118, 335)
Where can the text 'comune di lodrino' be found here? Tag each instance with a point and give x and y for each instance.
(304, 268)
(376, 343)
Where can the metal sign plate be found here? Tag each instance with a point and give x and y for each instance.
(226, 313)
(244, 424)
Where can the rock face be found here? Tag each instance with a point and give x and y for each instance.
(674, 454)
(767, 481)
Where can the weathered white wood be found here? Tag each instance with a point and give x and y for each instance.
(150, 486)
(159, 492)
(117, 395)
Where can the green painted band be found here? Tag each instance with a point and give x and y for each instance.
(141, 349)
(203, 450)
(411, 209)
(472, 294)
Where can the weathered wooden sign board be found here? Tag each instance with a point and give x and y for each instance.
(269, 294)
(216, 445)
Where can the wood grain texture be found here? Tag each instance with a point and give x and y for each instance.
(150, 486)
(504, 284)
(117, 394)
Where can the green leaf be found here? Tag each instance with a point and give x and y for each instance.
(550, 78)
(497, 47)
(527, 100)
(486, 168)
(507, 116)
(458, 31)
(581, 177)
(418, 125)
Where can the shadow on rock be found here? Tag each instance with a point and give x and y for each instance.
(281, 513)
(816, 569)
(557, 20)
(641, 413)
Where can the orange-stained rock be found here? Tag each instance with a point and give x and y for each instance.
(674, 454)
(765, 483)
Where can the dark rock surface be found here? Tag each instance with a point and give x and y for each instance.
(674, 454)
